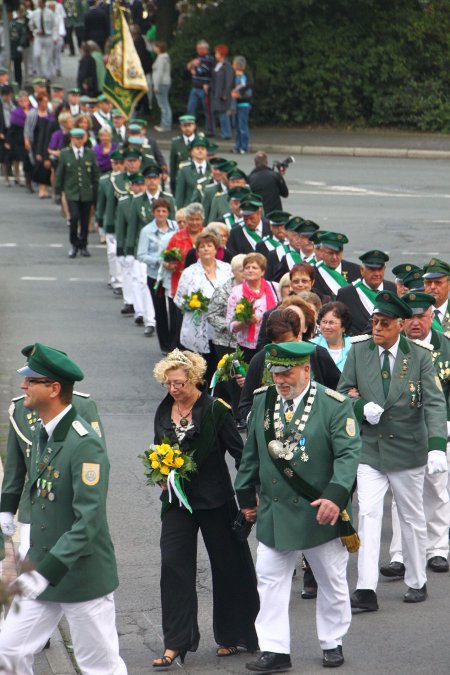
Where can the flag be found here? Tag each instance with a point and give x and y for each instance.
(125, 81)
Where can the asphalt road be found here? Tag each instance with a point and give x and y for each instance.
(400, 206)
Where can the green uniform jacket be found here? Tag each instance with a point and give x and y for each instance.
(286, 521)
(70, 542)
(104, 186)
(190, 185)
(22, 422)
(210, 191)
(179, 152)
(441, 361)
(77, 178)
(141, 214)
(404, 435)
(220, 206)
(121, 224)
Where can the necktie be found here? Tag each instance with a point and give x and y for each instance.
(437, 316)
(43, 438)
(288, 410)
(386, 372)
(200, 171)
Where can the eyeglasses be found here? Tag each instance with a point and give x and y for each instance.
(30, 381)
(175, 385)
(329, 323)
(383, 323)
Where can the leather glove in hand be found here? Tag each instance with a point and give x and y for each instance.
(373, 412)
(32, 584)
(437, 462)
(7, 523)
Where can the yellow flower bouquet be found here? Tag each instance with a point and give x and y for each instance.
(196, 303)
(174, 254)
(229, 366)
(243, 311)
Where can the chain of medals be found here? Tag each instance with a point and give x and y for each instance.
(295, 437)
(44, 485)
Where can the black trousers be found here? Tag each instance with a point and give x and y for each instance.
(79, 31)
(79, 222)
(167, 322)
(235, 596)
(229, 391)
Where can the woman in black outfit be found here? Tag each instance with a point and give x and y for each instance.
(190, 417)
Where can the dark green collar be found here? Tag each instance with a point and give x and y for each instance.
(62, 428)
(435, 340)
(403, 345)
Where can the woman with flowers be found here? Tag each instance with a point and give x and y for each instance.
(201, 280)
(248, 302)
(188, 421)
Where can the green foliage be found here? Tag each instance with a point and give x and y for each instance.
(375, 62)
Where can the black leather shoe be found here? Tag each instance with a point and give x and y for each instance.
(270, 662)
(127, 309)
(73, 252)
(364, 599)
(332, 658)
(85, 253)
(414, 595)
(394, 570)
(139, 321)
(438, 564)
(309, 592)
(149, 331)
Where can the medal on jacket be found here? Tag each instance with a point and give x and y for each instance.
(413, 395)
(284, 449)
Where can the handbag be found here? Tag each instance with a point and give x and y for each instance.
(241, 527)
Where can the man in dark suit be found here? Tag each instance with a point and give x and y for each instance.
(360, 295)
(243, 239)
(268, 183)
(333, 272)
(299, 233)
(277, 237)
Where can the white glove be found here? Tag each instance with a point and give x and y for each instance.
(32, 584)
(373, 412)
(437, 462)
(448, 429)
(7, 523)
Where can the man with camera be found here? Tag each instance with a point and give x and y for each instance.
(268, 183)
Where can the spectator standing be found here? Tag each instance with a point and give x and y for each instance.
(18, 40)
(222, 82)
(96, 25)
(14, 144)
(161, 85)
(103, 149)
(44, 26)
(37, 142)
(267, 183)
(74, 23)
(146, 59)
(242, 94)
(100, 69)
(24, 13)
(87, 72)
(201, 69)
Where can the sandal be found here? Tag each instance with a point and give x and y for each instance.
(166, 661)
(227, 651)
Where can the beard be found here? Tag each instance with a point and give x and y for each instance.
(292, 391)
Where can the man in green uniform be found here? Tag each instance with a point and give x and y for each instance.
(399, 402)
(71, 550)
(220, 206)
(437, 283)
(435, 494)
(218, 184)
(180, 148)
(77, 176)
(301, 456)
(193, 174)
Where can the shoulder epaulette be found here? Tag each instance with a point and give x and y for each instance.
(218, 194)
(105, 176)
(335, 394)
(167, 194)
(79, 428)
(260, 390)
(18, 398)
(177, 138)
(360, 338)
(423, 344)
(124, 197)
(82, 394)
(227, 405)
(447, 334)
(183, 165)
(136, 196)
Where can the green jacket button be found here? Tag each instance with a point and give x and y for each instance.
(45, 548)
(295, 500)
(274, 480)
(33, 501)
(275, 499)
(43, 507)
(43, 527)
(380, 435)
(391, 436)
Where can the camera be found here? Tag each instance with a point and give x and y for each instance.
(237, 369)
(283, 163)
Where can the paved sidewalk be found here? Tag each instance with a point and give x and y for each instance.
(53, 661)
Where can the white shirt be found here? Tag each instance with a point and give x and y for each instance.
(259, 228)
(377, 290)
(51, 426)
(188, 139)
(427, 339)
(151, 198)
(392, 354)
(442, 310)
(78, 152)
(202, 166)
(296, 401)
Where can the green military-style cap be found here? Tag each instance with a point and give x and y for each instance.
(134, 127)
(132, 153)
(222, 164)
(414, 280)
(308, 228)
(77, 133)
(235, 173)
(250, 204)
(140, 122)
(400, 271)
(102, 98)
(87, 100)
(389, 304)
(333, 240)
(136, 140)
(238, 193)
(115, 112)
(418, 301)
(374, 258)
(314, 237)
(43, 361)
(294, 223)
(436, 268)
(278, 217)
(136, 179)
(38, 80)
(152, 170)
(117, 155)
(73, 90)
(4, 71)
(187, 119)
(200, 141)
(57, 87)
(281, 357)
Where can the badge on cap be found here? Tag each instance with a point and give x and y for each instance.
(408, 268)
(385, 296)
(90, 474)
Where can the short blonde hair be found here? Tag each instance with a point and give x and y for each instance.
(105, 130)
(284, 281)
(237, 261)
(64, 117)
(193, 364)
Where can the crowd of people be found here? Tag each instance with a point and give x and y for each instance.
(264, 325)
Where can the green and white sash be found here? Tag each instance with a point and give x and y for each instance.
(333, 279)
(271, 243)
(252, 237)
(366, 295)
(310, 260)
(293, 258)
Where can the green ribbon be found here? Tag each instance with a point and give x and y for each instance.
(251, 233)
(368, 292)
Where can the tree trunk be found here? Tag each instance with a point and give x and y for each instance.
(166, 17)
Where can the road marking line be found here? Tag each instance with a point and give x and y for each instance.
(97, 281)
(8, 245)
(38, 278)
(368, 193)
